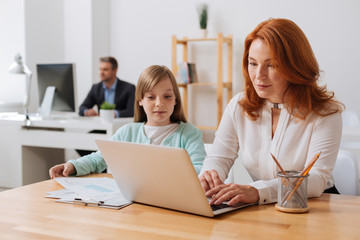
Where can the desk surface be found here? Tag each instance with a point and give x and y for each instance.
(64, 121)
(25, 213)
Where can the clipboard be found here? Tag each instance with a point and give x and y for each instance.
(113, 204)
(94, 192)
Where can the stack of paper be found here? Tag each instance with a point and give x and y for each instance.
(99, 192)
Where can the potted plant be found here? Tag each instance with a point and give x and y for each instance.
(203, 18)
(107, 111)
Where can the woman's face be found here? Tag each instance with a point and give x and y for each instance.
(267, 81)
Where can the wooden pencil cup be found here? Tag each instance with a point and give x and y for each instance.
(292, 192)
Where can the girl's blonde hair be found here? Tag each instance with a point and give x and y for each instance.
(147, 80)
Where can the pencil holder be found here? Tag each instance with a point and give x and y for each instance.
(292, 192)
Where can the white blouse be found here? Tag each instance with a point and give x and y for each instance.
(294, 144)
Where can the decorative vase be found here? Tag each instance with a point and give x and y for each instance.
(203, 32)
(107, 115)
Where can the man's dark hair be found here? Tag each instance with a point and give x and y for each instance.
(111, 60)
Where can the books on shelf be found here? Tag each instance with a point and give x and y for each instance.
(192, 72)
(186, 73)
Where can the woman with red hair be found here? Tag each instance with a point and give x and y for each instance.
(283, 111)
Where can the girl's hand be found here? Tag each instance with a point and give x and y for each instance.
(210, 179)
(62, 170)
(233, 193)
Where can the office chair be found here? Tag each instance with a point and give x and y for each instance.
(350, 118)
(346, 173)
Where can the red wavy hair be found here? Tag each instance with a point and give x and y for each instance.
(295, 60)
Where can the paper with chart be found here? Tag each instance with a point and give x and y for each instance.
(102, 192)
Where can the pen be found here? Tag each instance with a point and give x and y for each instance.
(92, 203)
(86, 202)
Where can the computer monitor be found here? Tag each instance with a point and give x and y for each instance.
(56, 86)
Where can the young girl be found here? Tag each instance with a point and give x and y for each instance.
(159, 119)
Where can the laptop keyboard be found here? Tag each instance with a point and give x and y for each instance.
(220, 206)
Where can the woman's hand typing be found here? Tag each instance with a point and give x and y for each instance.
(210, 179)
(233, 193)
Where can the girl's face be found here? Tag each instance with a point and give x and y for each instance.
(267, 81)
(159, 103)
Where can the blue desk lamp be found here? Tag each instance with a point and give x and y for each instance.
(19, 67)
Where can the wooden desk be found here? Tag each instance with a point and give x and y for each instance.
(26, 214)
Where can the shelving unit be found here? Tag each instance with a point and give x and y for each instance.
(220, 40)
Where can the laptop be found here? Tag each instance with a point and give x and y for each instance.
(159, 176)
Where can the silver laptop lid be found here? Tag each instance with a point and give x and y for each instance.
(156, 175)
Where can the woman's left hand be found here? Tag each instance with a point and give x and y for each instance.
(233, 193)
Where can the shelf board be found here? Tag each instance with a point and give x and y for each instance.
(227, 85)
(197, 84)
(184, 41)
(207, 127)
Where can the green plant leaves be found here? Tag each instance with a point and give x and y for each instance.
(107, 105)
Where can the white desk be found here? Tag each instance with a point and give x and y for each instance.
(28, 153)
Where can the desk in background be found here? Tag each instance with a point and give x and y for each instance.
(28, 153)
(25, 213)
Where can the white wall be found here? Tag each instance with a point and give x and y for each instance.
(78, 43)
(86, 40)
(12, 41)
(141, 36)
(100, 22)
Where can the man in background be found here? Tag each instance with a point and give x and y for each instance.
(110, 89)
